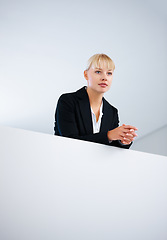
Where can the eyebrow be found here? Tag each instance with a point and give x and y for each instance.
(102, 69)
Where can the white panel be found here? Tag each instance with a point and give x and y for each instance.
(58, 188)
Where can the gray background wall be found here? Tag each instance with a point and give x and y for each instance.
(44, 47)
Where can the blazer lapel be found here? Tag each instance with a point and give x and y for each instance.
(85, 110)
(105, 121)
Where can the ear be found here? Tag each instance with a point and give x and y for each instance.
(86, 74)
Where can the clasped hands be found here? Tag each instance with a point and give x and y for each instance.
(124, 133)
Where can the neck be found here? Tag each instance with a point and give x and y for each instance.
(94, 97)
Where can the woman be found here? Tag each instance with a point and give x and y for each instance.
(86, 115)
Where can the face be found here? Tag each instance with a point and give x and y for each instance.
(99, 79)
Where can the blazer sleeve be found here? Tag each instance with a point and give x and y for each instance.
(66, 122)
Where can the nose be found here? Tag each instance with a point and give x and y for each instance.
(104, 77)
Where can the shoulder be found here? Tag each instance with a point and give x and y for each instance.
(72, 97)
(79, 94)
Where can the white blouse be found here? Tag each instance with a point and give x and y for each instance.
(97, 124)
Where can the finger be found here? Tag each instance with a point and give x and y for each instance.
(128, 135)
(131, 134)
(128, 139)
(125, 142)
(132, 131)
(127, 130)
(134, 134)
(130, 127)
(125, 134)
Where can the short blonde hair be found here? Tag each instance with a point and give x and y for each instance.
(96, 60)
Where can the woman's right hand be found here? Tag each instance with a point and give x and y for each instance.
(124, 133)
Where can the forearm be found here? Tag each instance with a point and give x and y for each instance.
(100, 137)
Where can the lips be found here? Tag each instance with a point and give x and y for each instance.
(103, 85)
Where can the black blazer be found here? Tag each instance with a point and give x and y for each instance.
(73, 119)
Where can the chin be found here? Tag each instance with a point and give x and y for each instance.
(103, 90)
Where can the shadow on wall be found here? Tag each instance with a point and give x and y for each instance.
(155, 142)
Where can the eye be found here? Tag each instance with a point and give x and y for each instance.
(98, 72)
(109, 73)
